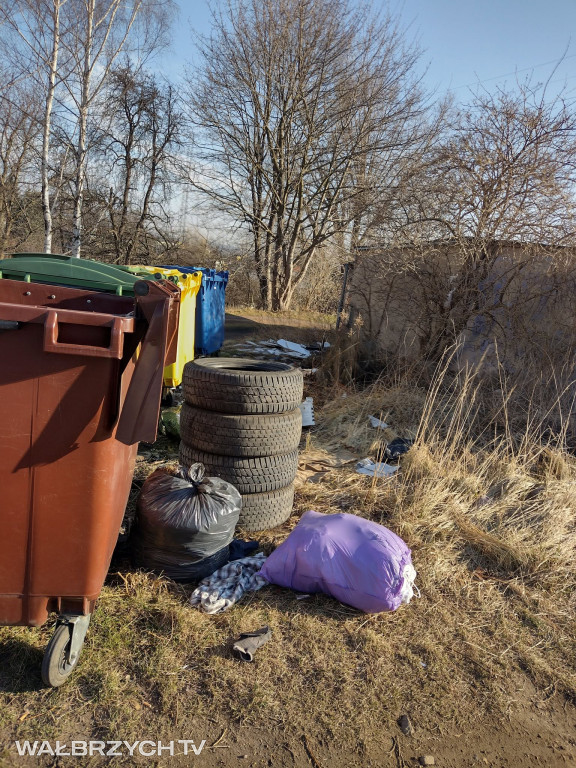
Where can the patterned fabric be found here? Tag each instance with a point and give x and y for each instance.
(228, 584)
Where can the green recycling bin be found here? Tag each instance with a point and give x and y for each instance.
(55, 269)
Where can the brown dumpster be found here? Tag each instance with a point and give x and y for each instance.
(80, 385)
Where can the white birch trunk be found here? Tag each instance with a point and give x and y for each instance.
(94, 52)
(52, 72)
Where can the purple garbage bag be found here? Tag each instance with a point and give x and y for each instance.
(358, 562)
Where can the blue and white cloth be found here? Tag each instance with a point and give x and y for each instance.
(228, 584)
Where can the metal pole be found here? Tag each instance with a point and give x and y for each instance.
(342, 294)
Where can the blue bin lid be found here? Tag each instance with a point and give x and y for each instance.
(207, 272)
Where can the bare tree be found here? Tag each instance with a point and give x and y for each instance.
(484, 223)
(144, 130)
(291, 98)
(19, 130)
(36, 30)
(103, 30)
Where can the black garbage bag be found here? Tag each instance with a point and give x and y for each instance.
(185, 523)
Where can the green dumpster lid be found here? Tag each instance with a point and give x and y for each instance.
(55, 269)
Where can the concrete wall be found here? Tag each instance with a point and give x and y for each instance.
(520, 301)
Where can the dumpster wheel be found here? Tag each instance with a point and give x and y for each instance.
(63, 651)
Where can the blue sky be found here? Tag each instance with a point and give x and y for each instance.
(464, 41)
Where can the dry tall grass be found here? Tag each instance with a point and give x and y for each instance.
(486, 499)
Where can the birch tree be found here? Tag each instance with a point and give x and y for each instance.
(37, 28)
(103, 30)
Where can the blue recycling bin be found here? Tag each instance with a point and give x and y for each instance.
(210, 309)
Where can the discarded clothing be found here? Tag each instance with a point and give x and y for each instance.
(249, 642)
(240, 548)
(227, 585)
(355, 560)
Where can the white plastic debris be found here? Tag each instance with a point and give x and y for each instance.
(377, 423)
(376, 469)
(307, 409)
(293, 349)
(408, 587)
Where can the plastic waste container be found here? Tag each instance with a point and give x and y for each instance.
(55, 269)
(189, 284)
(80, 386)
(210, 309)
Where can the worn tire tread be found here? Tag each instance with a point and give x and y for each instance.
(208, 384)
(240, 435)
(261, 511)
(251, 475)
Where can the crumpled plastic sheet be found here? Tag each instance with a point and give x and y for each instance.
(376, 469)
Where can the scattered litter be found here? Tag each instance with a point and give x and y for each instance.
(253, 349)
(318, 346)
(377, 423)
(397, 447)
(249, 642)
(185, 523)
(376, 469)
(309, 371)
(302, 597)
(405, 725)
(314, 465)
(355, 560)
(172, 397)
(307, 410)
(227, 585)
(282, 348)
(295, 350)
(426, 760)
(170, 422)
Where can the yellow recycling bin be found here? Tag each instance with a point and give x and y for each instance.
(189, 285)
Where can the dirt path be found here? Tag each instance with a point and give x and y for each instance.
(535, 733)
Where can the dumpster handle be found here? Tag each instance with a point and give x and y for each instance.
(51, 343)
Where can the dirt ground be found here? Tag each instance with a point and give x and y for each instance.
(535, 733)
(534, 725)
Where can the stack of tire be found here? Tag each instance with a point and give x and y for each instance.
(241, 420)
